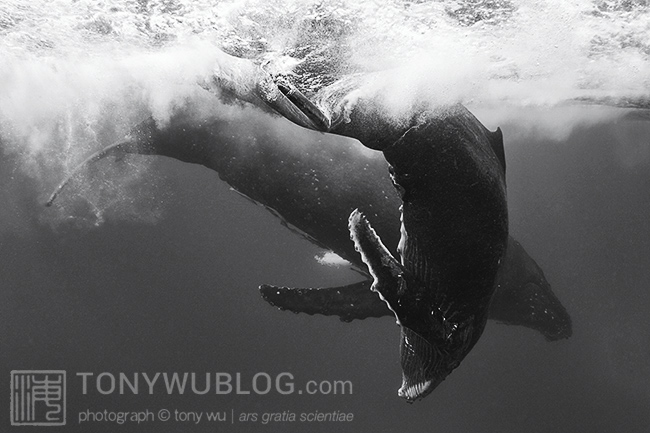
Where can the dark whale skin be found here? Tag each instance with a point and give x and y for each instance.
(450, 173)
(284, 178)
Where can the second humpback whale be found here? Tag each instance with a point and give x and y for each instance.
(313, 187)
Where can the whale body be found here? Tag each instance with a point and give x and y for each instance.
(450, 173)
(312, 187)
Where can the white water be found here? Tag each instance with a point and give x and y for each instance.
(76, 75)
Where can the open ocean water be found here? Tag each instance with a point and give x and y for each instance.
(152, 265)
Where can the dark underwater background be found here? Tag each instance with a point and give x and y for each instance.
(159, 272)
(180, 295)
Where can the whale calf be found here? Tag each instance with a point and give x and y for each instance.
(449, 171)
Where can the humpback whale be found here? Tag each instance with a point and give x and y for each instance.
(313, 188)
(450, 174)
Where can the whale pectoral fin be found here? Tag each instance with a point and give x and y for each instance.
(139, 140)
(302, 111)
(524, 297)
(417, 355)
(354, 301)
(116, 150)
(384, 268)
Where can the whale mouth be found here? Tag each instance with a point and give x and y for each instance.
(415, 392)
(421, 369)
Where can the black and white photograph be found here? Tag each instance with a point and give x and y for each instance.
(325, 216)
